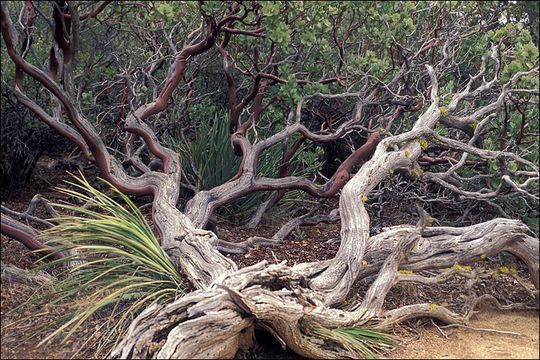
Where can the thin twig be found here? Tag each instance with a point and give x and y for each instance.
(520, 281)
(480, 329)
(275, 257)
(438, 328)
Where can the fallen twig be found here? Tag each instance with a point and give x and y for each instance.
(438, 328)
(481, 329)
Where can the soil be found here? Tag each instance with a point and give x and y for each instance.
(417, 338)
(457, 342)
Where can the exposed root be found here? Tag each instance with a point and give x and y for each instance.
(244, 246)
(279, 298)
(479, 329)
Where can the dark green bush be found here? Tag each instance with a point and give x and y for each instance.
(208, 161)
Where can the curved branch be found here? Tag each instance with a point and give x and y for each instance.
(93, 13)
(177, 74)
(26, 236)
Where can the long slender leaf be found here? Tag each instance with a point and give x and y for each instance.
(123, 265)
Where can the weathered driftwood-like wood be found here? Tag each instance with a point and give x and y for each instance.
(443, 247)
(13, 273)
(199, 258)
(217, 318)
(373, 300)
(215, 322)
(403, 313)
(203, 324)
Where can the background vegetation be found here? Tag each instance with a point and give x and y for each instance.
(311, 41)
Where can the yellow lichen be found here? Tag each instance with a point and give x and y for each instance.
(443, 112)
(483, 256)
(364, 262)
(364, 199)
(405, 271)
(432, 307)
(391, 171)
(256, 247)
(407, 153)
(423, 144)
(503, 269)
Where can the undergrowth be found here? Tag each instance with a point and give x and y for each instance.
(116, 269)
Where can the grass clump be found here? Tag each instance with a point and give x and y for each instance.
(120, 268)
(367, 342)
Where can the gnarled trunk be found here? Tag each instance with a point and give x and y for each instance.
(214, 322)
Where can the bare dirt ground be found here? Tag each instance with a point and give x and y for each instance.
(461, 343)
(418, 338)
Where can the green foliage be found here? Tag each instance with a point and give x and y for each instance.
(164, 9)
(208, 157)
(524, 54)
(209, 161)
(123, 268)
(364, 341)
(362, 42)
